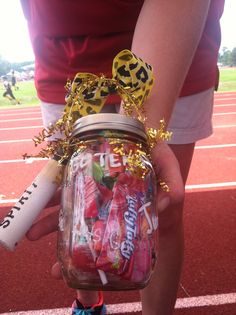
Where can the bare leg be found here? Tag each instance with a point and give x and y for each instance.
(87, 298)
(8, 97)
(159, 297)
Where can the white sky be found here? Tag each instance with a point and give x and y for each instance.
(15, 44)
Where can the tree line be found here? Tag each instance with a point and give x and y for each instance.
(6, 66)
(227, 57)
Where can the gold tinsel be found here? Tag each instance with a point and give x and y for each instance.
(132, 79)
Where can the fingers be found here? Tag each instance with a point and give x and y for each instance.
(56, 271)
(48, 224)
(167, 170)
(43, 227)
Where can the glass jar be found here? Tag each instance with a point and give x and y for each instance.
(108, 220)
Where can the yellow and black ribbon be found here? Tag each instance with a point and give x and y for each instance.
(132, 79)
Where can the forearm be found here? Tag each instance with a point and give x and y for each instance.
(166, 36)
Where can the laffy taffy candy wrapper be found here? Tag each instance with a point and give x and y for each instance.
(126, 231)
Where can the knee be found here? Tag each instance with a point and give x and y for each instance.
(171, 219)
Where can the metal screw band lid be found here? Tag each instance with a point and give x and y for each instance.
(103, 121)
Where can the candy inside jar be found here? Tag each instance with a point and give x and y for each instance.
(108, 220)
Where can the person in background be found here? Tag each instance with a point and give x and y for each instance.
(13, 80)
(8, 91)
(180, 39)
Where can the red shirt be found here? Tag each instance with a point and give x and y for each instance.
(203, 73)
(66, 39)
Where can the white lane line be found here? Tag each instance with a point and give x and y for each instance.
(133, 307)
(6, 201)
(224, 95)
(225, 98)
(20, 119)
(224, 114)
(13, 141)
(187, 187)
(26, 161)
(225, 105)
(210, 185)
(19, 109)
(20, 113)
(215, 146)
(18, 128)
(207, 300)
(224, 126)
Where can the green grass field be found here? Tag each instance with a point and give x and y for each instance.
(227, 80)
(28, 96)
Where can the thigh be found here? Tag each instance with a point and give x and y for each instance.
(51, 112)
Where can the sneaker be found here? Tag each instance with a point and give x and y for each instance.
(98, 309)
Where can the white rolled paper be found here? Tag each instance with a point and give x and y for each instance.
(34, 199)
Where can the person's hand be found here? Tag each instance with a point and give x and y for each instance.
(167, 170)
(45, 226)
(49, 223)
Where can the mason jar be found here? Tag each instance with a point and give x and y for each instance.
(108, 220)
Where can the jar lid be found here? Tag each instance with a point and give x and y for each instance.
(104, 121)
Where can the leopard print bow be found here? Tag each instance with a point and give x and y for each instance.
(132, 80)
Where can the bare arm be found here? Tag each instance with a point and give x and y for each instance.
(166, 36)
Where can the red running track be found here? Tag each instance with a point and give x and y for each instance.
(210, 220)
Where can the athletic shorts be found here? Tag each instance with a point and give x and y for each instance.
(191, 119)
